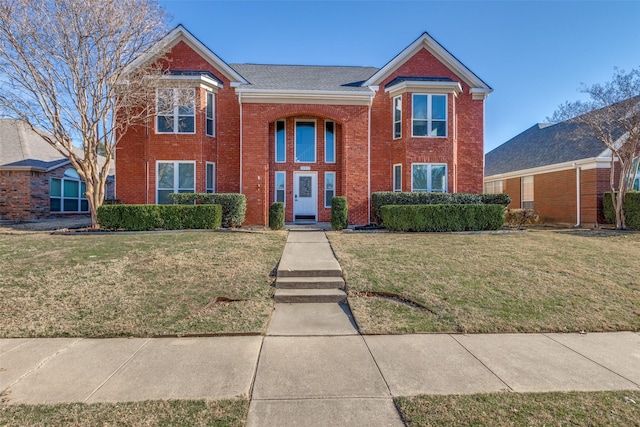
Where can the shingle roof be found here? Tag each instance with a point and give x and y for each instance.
(543, 145)
(304, 77)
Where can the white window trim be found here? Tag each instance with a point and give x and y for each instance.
(430, 113)
(175, 113)
(315, 140)
(275, 186)
(275, 131)
(334, 142)
(213, 112)
(393, 171)
(176, 176)
(325, 187)
(393, 117)
(206, 175)
(429, 183)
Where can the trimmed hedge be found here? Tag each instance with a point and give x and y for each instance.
(276, 216)
(234, 205)
(150, 217)
(383, 198)
(631, 209)
(339, 213)
(440, 217)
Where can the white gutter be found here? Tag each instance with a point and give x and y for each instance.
(578, 197)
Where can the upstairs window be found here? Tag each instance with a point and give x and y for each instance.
(397, 117)
(429, 117)
(305, 147)
(281, 147)
(330, 142)
(176, 110)
(211, 123)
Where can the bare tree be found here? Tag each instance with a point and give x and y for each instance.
(612, 115)
(64, 70)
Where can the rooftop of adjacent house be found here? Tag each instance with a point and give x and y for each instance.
(543, 144)
(305, 77)
(21, 147)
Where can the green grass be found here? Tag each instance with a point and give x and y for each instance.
(536, 281)
(223, 413)
(523, 409)
(136, 284)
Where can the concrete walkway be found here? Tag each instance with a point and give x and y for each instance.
(313, 368)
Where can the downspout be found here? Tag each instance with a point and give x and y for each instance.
(578, 185)
(374, 89)
(240, 102)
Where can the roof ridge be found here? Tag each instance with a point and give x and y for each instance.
(302, 65)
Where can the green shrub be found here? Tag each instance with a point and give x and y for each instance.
(382, 198)
(439, 217)
(518, 218)
(339, 213)
(631, 209)
(276, 216)
(150, 217)
(234, 205)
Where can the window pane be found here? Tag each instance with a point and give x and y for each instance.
(397, 109)
(438, 178)
(71, 205)
(165, 102)
(186, 124)
(163, 197)
(330, 143)
(420, 128)
(165, 175)
(209, 105)
(186, 101)
(280, 196)
(71, 189)
(420, 107)
(165, 123)
(280, 187)
(210, 177)
(420, 177)
(329, 187)
(328, 198)
(438, 107)
(54, 205)
(438, 128)
(304, 186)
(210, 127)
(186, 176)
(397, 178)
(305, 142)
(84, 205)
(83, 189)
(55, 187)
(280, 141)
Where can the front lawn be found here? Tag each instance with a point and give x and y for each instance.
(535, 281)
(136, 284)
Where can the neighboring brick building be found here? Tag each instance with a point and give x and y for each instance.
(302, 134)
(557, 170)
(36, 181)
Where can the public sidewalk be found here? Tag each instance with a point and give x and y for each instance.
(313, 367)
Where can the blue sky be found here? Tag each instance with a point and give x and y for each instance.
(534, 54)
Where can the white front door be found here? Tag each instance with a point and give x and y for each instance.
(305, 196)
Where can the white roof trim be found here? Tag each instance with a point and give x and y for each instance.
(425, 41)
(585, 164)
(438, 87)
(259, 96)
(181, 33)
(204, 81)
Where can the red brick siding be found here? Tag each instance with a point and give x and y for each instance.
(554, 196)
(513, 188)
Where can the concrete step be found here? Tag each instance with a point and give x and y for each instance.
(324, 272)
(310, 283)
(310, 295)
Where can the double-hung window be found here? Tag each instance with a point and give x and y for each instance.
(493, 187)
(211, 122)
(429, 177)
(281, 147)
(280, 187)
(429, 115)
(329, 142)
(211, 177)
(329, 188)
(176, 110)
(527, 192)
(174, 177)
(397, 177)
(397, 117)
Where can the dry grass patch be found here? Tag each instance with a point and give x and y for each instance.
(136, 284)
(152, 413)
(523, 409)
(551, 281)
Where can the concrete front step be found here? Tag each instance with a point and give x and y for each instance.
(328, 272)
(310, 295)
(310, 283)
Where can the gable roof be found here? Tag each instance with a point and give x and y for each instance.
(425, 41)
(543, 145)
(305, 77)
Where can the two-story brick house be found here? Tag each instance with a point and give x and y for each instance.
(302, 134)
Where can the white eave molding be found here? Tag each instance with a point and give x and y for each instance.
(437, 87)
(425, 41)
(203, 81)
(274, 96)
(599, 162)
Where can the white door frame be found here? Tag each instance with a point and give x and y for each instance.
(311, 206)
